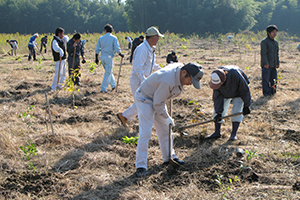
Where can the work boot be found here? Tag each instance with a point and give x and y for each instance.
(235, 127)
(217, 133)
(140, 172)
(122, 119)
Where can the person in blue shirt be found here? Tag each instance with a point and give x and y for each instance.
(32, 47)
(108, 45)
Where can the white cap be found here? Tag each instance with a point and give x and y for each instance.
(152, 31)
(215, 79)
(36, 35)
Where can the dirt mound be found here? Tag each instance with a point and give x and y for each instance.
(40, 184)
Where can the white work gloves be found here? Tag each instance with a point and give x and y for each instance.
(61, 53)
(169, 120)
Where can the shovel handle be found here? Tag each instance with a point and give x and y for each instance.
(211, 120)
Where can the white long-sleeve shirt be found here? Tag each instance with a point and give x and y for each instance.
(55, 46)
(144, 61)
(162, 85)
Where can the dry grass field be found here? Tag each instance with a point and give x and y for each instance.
(86, 158)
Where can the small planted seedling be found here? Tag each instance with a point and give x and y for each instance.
(26, 115)
(224, 188)
(92, 67)
(29, 149)
(131, 140)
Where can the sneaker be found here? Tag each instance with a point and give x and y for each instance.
(122, 119)
(232, 138)
(140, 172)
(103, 91)
(112, 89)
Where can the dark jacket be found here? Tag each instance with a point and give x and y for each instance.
(79, 49)
(136, 42)
(62, 46)
(44, 40)
(269, 52)
(236, 85)
(171, 58)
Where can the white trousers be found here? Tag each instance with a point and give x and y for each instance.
(131, 112)
(62, 77)
(148, 117)
(237, 107)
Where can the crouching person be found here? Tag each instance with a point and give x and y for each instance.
(150, 99)
(229, 84)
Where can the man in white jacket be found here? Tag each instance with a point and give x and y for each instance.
(58, 47)
(150, 100)
(142, 67)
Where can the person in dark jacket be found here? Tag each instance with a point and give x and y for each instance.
(136, 42)
(269, 61)
(75, 48)
(172, 58)
(229, 84)
(44, 41)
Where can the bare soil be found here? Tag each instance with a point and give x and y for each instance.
(86, 158)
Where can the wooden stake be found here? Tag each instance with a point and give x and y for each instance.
(49, 113)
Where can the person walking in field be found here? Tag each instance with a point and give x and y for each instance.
(136, 42)
(172, 58)
(58, 46)
(108, 45)
(14, 46)
(229, 84)
(75, 48)
(150, 99)
(269, 61)
(142, 67)
(44, 41)
(32, 46)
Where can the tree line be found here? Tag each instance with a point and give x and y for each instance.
(178, 16)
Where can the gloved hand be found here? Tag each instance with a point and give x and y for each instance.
(83, 61)
(97, 60)
(169, 120)
(122, 55)
(217, 118)
(246, 111)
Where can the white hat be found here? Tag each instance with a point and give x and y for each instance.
(36, 35)
(152, 31)
(218, 77)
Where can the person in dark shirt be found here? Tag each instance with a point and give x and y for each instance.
(44, 41)
(229, 84)
(136, 42)
(75, 48)
(172, 58)
(269, 61)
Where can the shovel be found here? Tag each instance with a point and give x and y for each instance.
(181, 128)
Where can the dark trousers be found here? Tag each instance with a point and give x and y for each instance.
(74, 70)
(269, 79)
(31, 53)
(45, 46)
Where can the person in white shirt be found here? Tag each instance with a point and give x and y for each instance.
(142, 67)
(129, 39)
(58, 47)
(150, 100)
